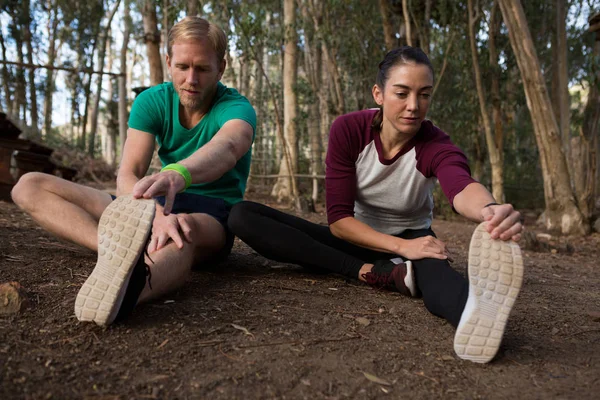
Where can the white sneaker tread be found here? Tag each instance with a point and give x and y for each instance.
(122, 233)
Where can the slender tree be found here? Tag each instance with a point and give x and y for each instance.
(123, 117)
(282, 189)
(493, 150)
(561, 209)
(152, 39)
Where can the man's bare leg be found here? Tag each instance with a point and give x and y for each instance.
(118, 281)
(65, 209)
(170, 266)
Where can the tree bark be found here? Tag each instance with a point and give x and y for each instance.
(152, 39)
(493, 151)
(192, 7)
(50, 87)
(282, 190)
(313, 68)
(407, 27)
(585, 145)
(6, 77)
(495, 21)
(561, 209)
(560, 95)
(315, 9)
(388, 28)
(111, 119)
(33, 106)
(123, 117)
(101, 56)
(21, 97)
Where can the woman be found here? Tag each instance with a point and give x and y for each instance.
(381, 169)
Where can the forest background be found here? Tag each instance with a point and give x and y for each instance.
(517, 83)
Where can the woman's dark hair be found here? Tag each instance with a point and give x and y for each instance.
(398, 56)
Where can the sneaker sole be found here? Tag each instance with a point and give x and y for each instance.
(495, 279)
(122, 234)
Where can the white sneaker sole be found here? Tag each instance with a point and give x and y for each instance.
(409, 280)
(495, 278)
(122, 234)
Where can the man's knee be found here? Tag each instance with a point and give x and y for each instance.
(26, 189)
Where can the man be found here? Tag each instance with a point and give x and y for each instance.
(204, 132)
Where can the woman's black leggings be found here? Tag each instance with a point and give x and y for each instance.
(286, 238)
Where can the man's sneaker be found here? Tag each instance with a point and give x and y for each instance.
(388, 275)
(123, 232)
(495, 278)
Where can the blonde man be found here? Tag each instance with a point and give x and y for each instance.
(204, 131)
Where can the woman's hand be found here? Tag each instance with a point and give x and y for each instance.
(503, 222)
(176, 227)
(424, 247)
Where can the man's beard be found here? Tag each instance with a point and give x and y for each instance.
(191, 103)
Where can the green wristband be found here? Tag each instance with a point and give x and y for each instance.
(182, 170)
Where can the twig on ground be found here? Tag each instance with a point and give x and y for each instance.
(589, 330)
(302, 342)
(233, 358)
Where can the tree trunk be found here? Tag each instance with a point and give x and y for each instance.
(50, 87)
(495, 22)
(561, 209)
(407, 27)
(585, 145)
(33, 107)
(164, 37)
(111, 119)
(6, 77)
(493, 151)
(192, 7)
(21, 97)
(123, 117)
(282, 189)
(388, 28)
(313, 68)
(152, 39)
(560, 95)
(101, 56)
(315, 10)
(426, 28)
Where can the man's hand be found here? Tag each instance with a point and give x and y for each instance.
(424, 247)
(167, 183)
(503, 222)
(170, 227)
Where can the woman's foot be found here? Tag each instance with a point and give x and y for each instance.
(385, 274)
(495, 278)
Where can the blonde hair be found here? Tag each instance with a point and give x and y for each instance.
(197, 28)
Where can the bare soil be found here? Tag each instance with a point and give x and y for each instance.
(253, 329)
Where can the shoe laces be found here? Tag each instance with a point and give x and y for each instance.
(148, 270)
(378, 280)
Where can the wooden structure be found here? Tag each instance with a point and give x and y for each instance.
(19, 156)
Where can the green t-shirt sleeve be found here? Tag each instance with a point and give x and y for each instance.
(147, 112)
(239, 109)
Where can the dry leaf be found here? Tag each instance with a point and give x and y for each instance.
(375, 379)
(241, 328)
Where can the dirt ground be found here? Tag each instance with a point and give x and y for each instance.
(255, 329)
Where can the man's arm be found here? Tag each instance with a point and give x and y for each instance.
(504, 222)
(221, 153)
(206, 164)
(135, 160)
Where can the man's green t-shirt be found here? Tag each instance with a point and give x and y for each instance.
(156, 111)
